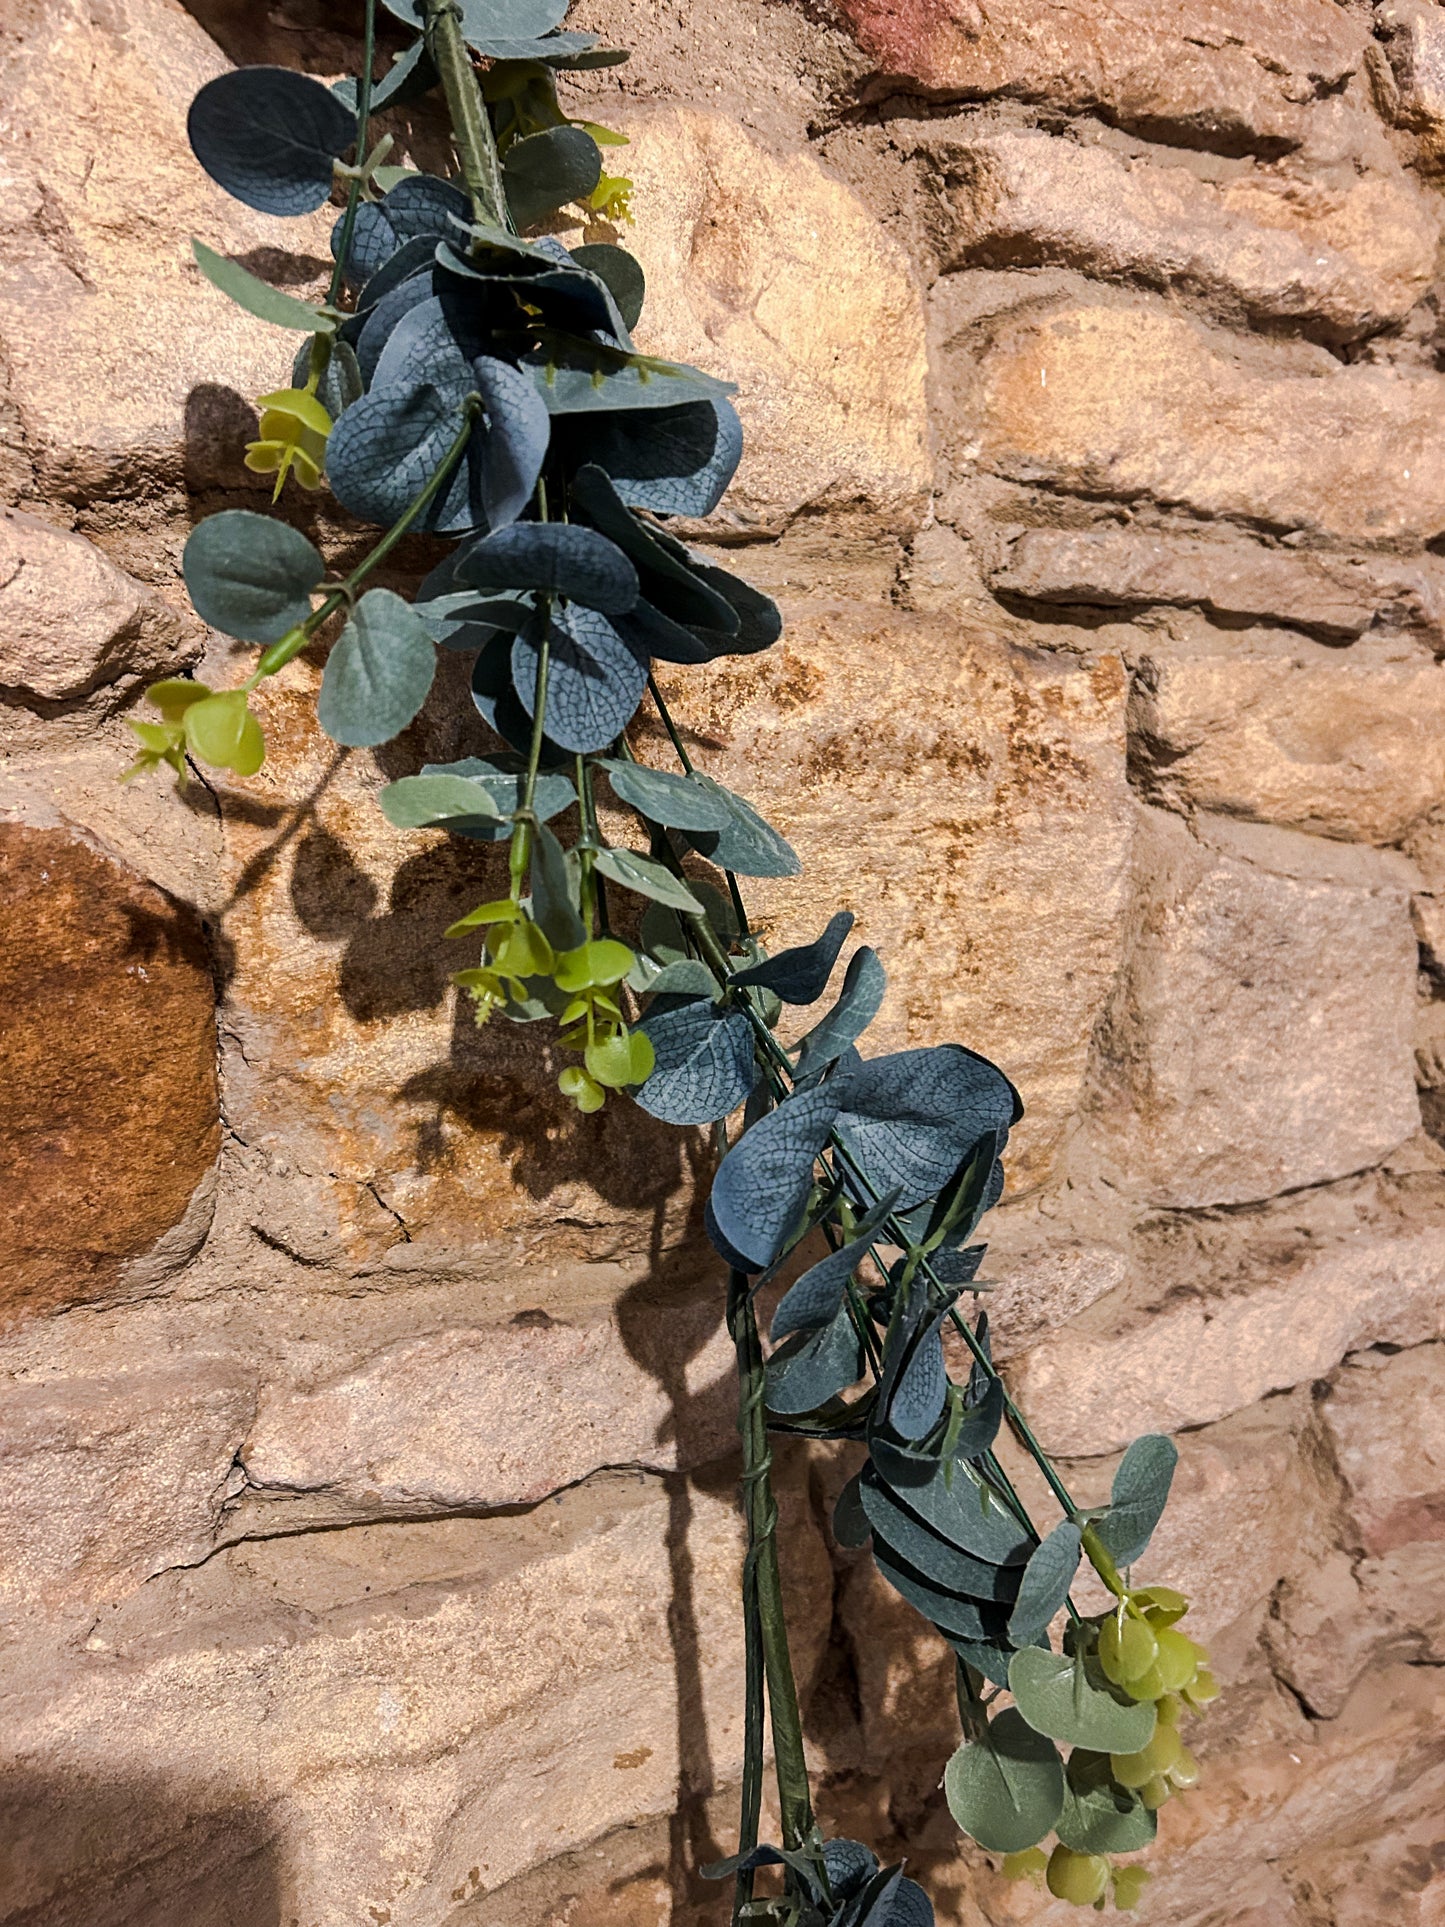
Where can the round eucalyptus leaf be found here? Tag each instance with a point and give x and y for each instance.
(382, 321)
(269, 136)
(1046, 1581)
(811, 1368)
(1099, 1815)
(1006, 1790)
(552, 49)
(545, 171)
(438, 802)
(646, 877)
(673, 461)
(1057, 1696)
(910, 1119)
(496, 700)
(594, 680)
(749, 845)
(422, 207)
(1141, 1491)
(622, 273)
(559, 557)
(703, 1062)
(250, 575)
(675, 801)
(956, 1506)
(378, 674)
(341, 384)
(763, 1183)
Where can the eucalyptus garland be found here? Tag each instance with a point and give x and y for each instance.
(467, 382)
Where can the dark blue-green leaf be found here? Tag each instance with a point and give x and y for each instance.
(762, 1184)
(558, 557)
(269, 136)
(250, 575)
(1046, 1581)
(545, 171)
(677, 802)
(800, 975)
(595, 682)
(810, 1369)
(704, 1062)
(1140, 1494)
(864, 983)
(378, 674)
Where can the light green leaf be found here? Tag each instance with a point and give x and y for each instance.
(1100, 1816)
(647, 878)
(258, 297)
(378, 675)
(433, 802)
(1056, 1696)
(1007, 1789)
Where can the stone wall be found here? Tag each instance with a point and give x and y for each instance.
(367, 1550)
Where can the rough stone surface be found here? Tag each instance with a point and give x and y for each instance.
(69, 619)
(1138, 404)
(108, 1119)
(368, 1535)
(1232, 72)
(1346, 745)
(1334, 598)
(1240, 1059)
(1265, 245)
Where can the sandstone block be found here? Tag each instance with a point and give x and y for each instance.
(765, 269)
(69, 619)
(1341, 745)
(1344, 262)
(498, 1415)
(1202, 1354)
(1224, 74)
(105, 1481)
(1133, 403)
(118, 350)
(1239, 1058)
(981, 838)
(1333, 597)
(401, 1711)
(1415, 45)
(1385, 1420)
(108, 1119)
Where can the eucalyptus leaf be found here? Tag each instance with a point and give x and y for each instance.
(912, 1118)
(749, 845)
(422, 207)
(258, 297)
(1046, 1582)
(378, 674)
(646, 877)
(814, 1301)
(937, 1558)
(623, 275)
(684, 978)
(703, 1061)
(341, 383)
(674, 461)
(249, 575)
(1056, 1695)
(270, 137)
(1140, 1494)
(859, 1002)
(553, 793)
(678, 802)
(763, 1182)
(1099, 1815)
(439, 802)
(594, 683)
(851, 1525)
(574, 376)
(947, 1498)
(545, 171)
(1006, 1789)
(813, 1367)
(669, 580)
(948, 1611)
(558, 557)
(916, 1403)
(800, 976)
(554, 893)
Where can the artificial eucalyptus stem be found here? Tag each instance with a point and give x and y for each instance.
(789, 1761)
(353, 198)
(471, 127)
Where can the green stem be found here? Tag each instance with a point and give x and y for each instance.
(668, 724)
(789, 1760)
(295, 640)
(471, 128)
(353, 198)
(754, 1661)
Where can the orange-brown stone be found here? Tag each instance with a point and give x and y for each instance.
(108, 1111)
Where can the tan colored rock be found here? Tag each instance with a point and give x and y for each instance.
(1201, 1355)
(69, 619)
(1222, 73)
(1339, 745)
(1385, 1420)
(500, 1415)
(401, 1711)
(1264, 245)
(119, 352)
(108, 1118)
(1239, 1058)
(967, 800)
(105, 1481)
(1415, 45)
(1130, 402)
(1333, 597)
(1037, 1292)
(765, 269)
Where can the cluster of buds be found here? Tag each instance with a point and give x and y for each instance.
(214, 725)
(520, 965)
(1085, 1879)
